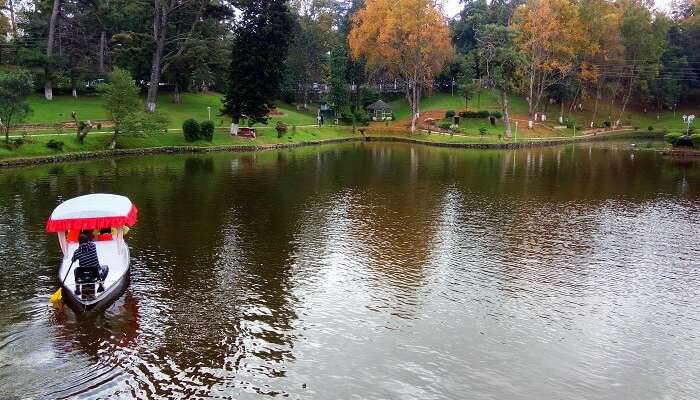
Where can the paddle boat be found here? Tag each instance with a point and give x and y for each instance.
(109, 216)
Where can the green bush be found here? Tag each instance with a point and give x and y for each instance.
(55, 144)
(696, 139)
(191, 130)
(449, 114)
(497, 114)
(570, 122)
(474, 114)
(207, 130)
(607, 124)
(650, 128)
(445, 125)
(672, 137)
(281, 129)
(482, 130)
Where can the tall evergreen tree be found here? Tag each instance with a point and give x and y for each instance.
(260, 45)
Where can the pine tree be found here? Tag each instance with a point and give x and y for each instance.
(259, 48)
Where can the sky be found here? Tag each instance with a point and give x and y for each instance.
(452, 7)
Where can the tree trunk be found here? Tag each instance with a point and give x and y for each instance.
(13, 19)
(414, 99)
(506, 118)
(627, 98)
(561, 111)
(531, 100)
(177, 99)
(234, 126)
(48, 85)
(103, 41)
(595, 107)
(160, 23)
(113, 143)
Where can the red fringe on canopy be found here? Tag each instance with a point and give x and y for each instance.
(62, 225)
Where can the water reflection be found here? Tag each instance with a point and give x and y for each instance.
(368, 270)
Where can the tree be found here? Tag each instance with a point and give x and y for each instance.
(501, 61)
(14, 88)
(48, 83)
(408, 39)
(548, 36)
(473, 16)
(260, 45)
(339, 96)
(121, 99)
(7, 25)
(644, 37)
(466, 78)
(306, 57)
(163, 11)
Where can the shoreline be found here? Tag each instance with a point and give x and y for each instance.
(104, 154)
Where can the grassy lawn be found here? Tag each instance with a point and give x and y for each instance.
(100, 141)
(489, 100)
(193, 105)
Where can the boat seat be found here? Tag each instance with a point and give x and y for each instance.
(86, 275)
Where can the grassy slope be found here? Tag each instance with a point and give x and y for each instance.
(518, 109)
(100, 141)
(193, 106)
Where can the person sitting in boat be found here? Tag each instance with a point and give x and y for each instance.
(86, 254)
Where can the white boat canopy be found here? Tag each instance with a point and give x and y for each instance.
(92, 211)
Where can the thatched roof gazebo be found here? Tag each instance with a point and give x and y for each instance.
(379, 110)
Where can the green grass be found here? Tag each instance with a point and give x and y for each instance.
(100, 141)
(489, 100)
(193, 105)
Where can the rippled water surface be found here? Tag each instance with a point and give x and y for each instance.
(368, 271)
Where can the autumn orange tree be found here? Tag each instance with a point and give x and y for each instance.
(549, 37)
(407, 39)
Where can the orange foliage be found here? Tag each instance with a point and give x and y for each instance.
(409, 39)
(401, 36)
(550, 39)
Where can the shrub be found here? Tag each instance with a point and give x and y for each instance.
(607, 124)
(449, 114)
(570, 123)
(281, 129)
(475, 114)
(207, 130)
(497, 114)
(482, 130)
(18, 142)
(696, 139)
(191, 130)
(55, 144)
(99, 125)
(143, 124)
(672, 137)
(650, 128)
(445, 125)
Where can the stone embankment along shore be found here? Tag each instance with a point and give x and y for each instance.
(81, 156)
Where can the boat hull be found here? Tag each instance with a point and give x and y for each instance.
(101, 302)
(113, 255)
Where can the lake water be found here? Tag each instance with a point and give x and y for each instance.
(367, 271)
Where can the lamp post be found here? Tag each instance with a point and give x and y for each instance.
(688, 119)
